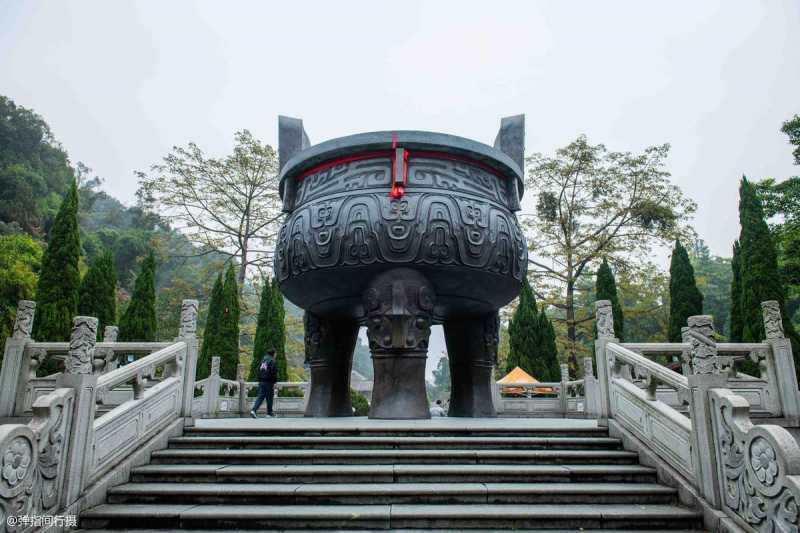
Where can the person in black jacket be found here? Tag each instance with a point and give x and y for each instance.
(267, 377)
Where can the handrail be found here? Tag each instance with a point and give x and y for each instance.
(657, 348)
(662, 374)
(128, 347)
(132, 370)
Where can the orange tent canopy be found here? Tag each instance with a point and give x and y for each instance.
(520, 376)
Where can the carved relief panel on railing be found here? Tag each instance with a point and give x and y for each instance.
(758, 467)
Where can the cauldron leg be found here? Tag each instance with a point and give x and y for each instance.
(472, 352)
(329, 352)
(399, 304)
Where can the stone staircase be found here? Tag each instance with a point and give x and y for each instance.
(450, 475)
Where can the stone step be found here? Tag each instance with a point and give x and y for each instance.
(385, 493)
(410, 473)
(400, 431)
(393, 530)
(412, 442)
(461, 517)
(358, 456)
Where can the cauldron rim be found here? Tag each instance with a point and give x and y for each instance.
(409, 139)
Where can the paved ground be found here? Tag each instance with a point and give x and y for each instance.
(434, 424)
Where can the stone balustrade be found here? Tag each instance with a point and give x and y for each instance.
(65, 458)
(697, 427)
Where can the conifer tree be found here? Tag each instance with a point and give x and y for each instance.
(523, 332)
(227, 347)
(758, 266)
(98, 292)
(685, 299)
(262, 342)
(278, 327)
(736, 327)
(59, 280)
(548, 366)
(606, 289)
(138, 323)
(211, 330)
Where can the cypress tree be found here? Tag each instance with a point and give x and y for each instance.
(758, 265)
(138, 323)
(262, 343)
(685, 299)
(548, 367)
(737, 327)
(270, 330)
(524, 332)
(211, 330)
(98, 292)
(278, 327)
(227, 347)
(606, 289)
(59, 280)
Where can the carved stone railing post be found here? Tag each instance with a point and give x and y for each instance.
(605, 334)
(241, 377)
(110, 334)
(591, 389)
(33, 459)
(212, 389)
(79, 377)
(188, 334)
(782, 360)
(563, 393)
(15, 373)
(706, 375)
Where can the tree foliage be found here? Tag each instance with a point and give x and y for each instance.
(737, 320)
(227, 205)
(34, 170)
(532, 344)
(59, 281)
(606, 289)
(792, 129)
(713, 276)
(685, 299)
(594, 203)
(138, 322)
(98, 292)
(227, 347)
(20, 258)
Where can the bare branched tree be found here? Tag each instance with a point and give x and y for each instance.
(591, 204)
(228, 205)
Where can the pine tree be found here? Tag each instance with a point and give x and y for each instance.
(98, 292)
(138, 323)
(278, 327)
(758, 266)
(59, 280)
(523, 332)
(606, 289)
(211, 330)
(227, 347)
(736, 327)
(685, 299)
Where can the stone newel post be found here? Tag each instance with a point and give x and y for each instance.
(605, 334)
(706, 375)
(188, 368)
(78, 376)
(591, 389)
(782, 361)
(13, 379)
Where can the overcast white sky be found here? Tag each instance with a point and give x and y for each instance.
(121, 82)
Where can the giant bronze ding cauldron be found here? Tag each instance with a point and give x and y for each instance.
(399, 231)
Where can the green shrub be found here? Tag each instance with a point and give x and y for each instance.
(360, 403)
(291, 392)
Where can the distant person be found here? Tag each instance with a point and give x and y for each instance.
(267, 377)
(437, 409)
